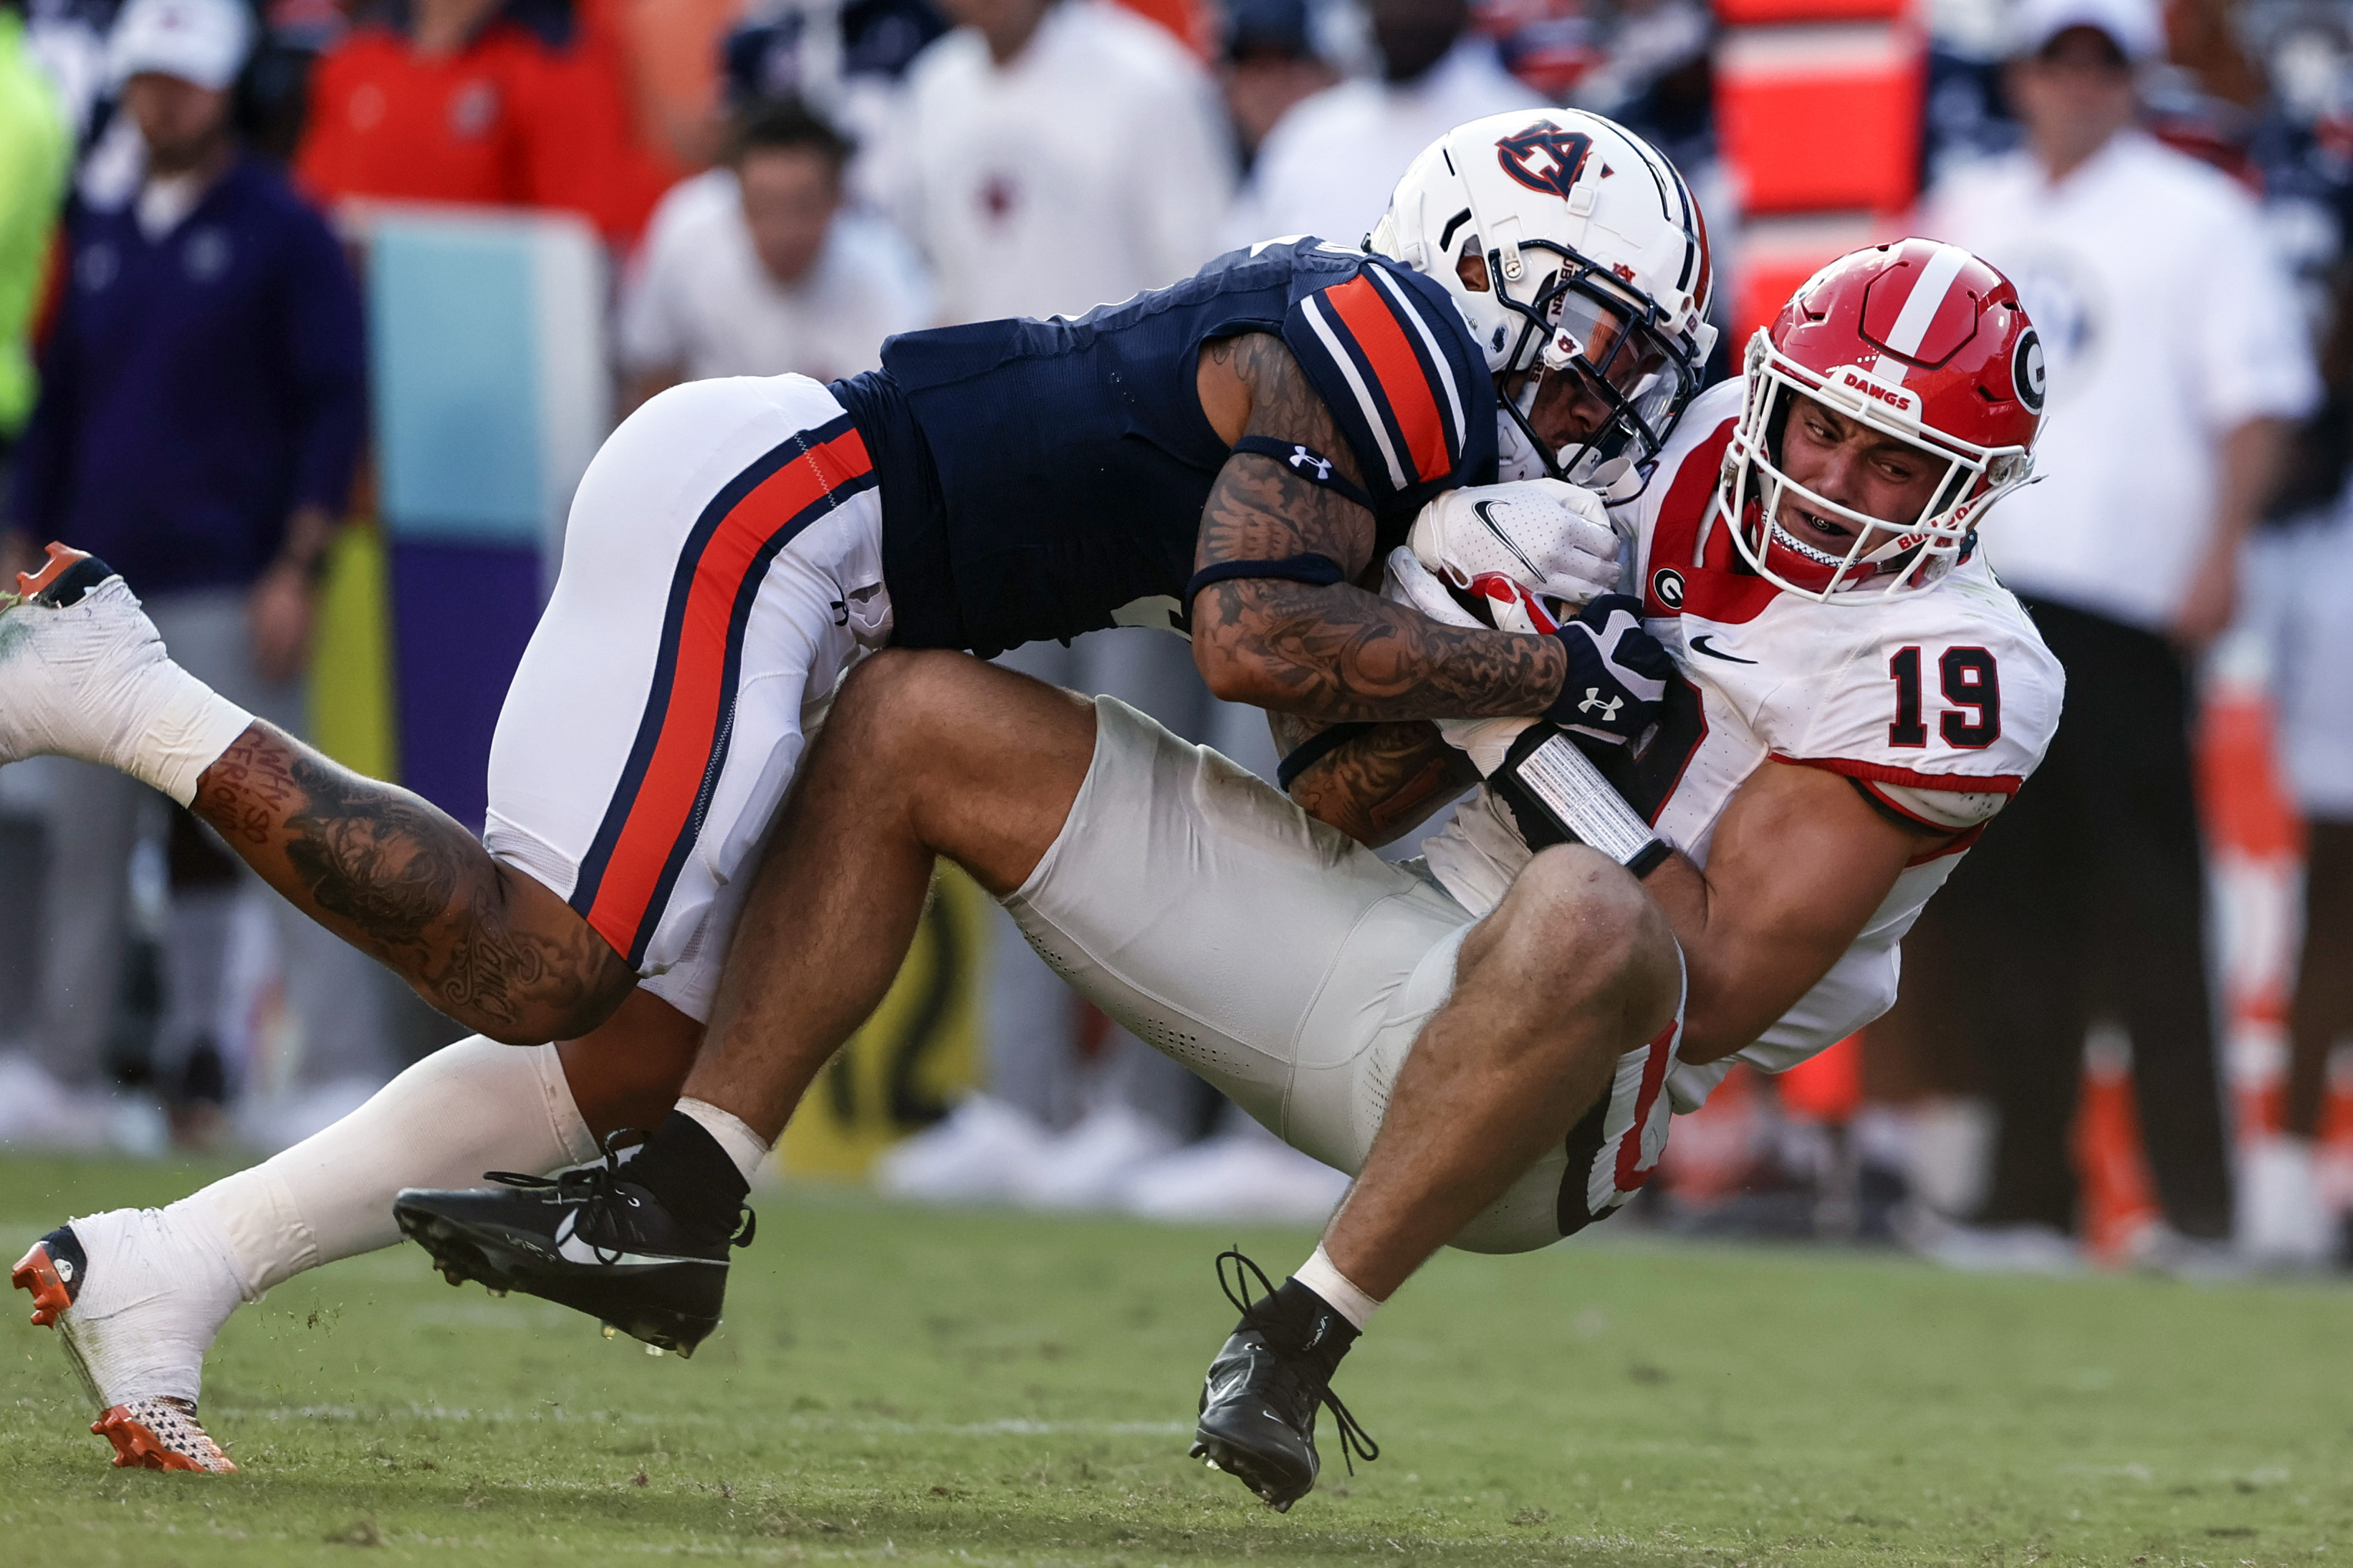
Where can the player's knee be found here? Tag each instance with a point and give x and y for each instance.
(895, 705)
(1581, 932)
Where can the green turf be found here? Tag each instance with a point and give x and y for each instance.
(978, 1388)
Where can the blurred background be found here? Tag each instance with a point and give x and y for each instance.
(313, 312)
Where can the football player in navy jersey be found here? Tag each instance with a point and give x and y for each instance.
(1490, 1043)
(1232, 456)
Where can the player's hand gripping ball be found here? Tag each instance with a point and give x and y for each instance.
(1551, 538)
(1618, 672)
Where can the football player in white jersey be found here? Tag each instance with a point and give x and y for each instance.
(1281, 419)
(1490, 1041)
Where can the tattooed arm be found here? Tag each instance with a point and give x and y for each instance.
(1379, 785)
(1338, 652)
(405, 884)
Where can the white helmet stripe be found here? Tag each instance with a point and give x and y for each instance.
(1428, 341)
(1927, 298)
(1312, 309)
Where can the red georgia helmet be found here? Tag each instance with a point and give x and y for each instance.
(1919, 341)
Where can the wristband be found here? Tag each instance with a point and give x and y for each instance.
(1560, 797)
(1314, 749)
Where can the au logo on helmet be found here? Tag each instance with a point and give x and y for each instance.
(2026, 371)
(1544, 157)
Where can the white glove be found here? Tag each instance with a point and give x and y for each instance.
(1544, 534)
(1485, 741)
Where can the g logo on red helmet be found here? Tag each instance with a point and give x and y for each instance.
(2026, 370)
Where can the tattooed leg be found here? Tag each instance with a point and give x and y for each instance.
(401, 881)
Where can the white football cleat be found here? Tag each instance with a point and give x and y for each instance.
(1990, 1248)
(2284, 1221)
(1243, 1175)
(83, 674)
(1086, 1167)
(976, 1156)
(137, 1300)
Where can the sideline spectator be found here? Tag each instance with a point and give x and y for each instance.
(2304, 569)
(763, 273)
(2174, 353)
(1053, 156)
(200, 415)
(1272, 62)
(34, 147)
(1329, 167)
(505, 102)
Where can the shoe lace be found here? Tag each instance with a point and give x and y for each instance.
(586, 1186)
(1356, 1443)
(593, 1183)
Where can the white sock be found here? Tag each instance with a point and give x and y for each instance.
(1339, 1294)
(469, 1107)
(745, 1147)
(159, 1286)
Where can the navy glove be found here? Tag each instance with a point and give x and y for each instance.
(1618, 672)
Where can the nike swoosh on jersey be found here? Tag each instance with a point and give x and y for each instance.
(1699, 645)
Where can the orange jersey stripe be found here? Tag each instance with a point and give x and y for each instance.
(673, 782)
(1361, 306)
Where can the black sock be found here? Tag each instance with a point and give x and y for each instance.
(690, 1176)
(1296, 1319)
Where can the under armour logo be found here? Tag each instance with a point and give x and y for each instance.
(1593, 701)
(1300, 457)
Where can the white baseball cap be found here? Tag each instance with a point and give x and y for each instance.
(2133, 25)
(202, 41)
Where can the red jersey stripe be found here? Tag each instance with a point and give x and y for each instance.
(1882, 772)
(1365, 313)
(666, 798)
(1629, 1174)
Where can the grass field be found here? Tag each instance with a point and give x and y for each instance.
(983, 1388)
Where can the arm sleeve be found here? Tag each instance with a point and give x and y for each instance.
(2253, 355)
(1392, 360)
(326, 355)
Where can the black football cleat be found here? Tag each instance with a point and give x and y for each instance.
(588, 1239)
(1260, 1399)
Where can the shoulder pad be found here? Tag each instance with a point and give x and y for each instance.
(1394, 362)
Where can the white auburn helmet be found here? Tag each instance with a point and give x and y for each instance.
(1596, 256)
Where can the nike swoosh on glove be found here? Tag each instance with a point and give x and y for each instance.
(1544, 534)
(1618, 672)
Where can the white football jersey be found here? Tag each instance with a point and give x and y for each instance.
(1937, 703)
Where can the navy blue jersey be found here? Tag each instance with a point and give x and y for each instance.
(1042, 479)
